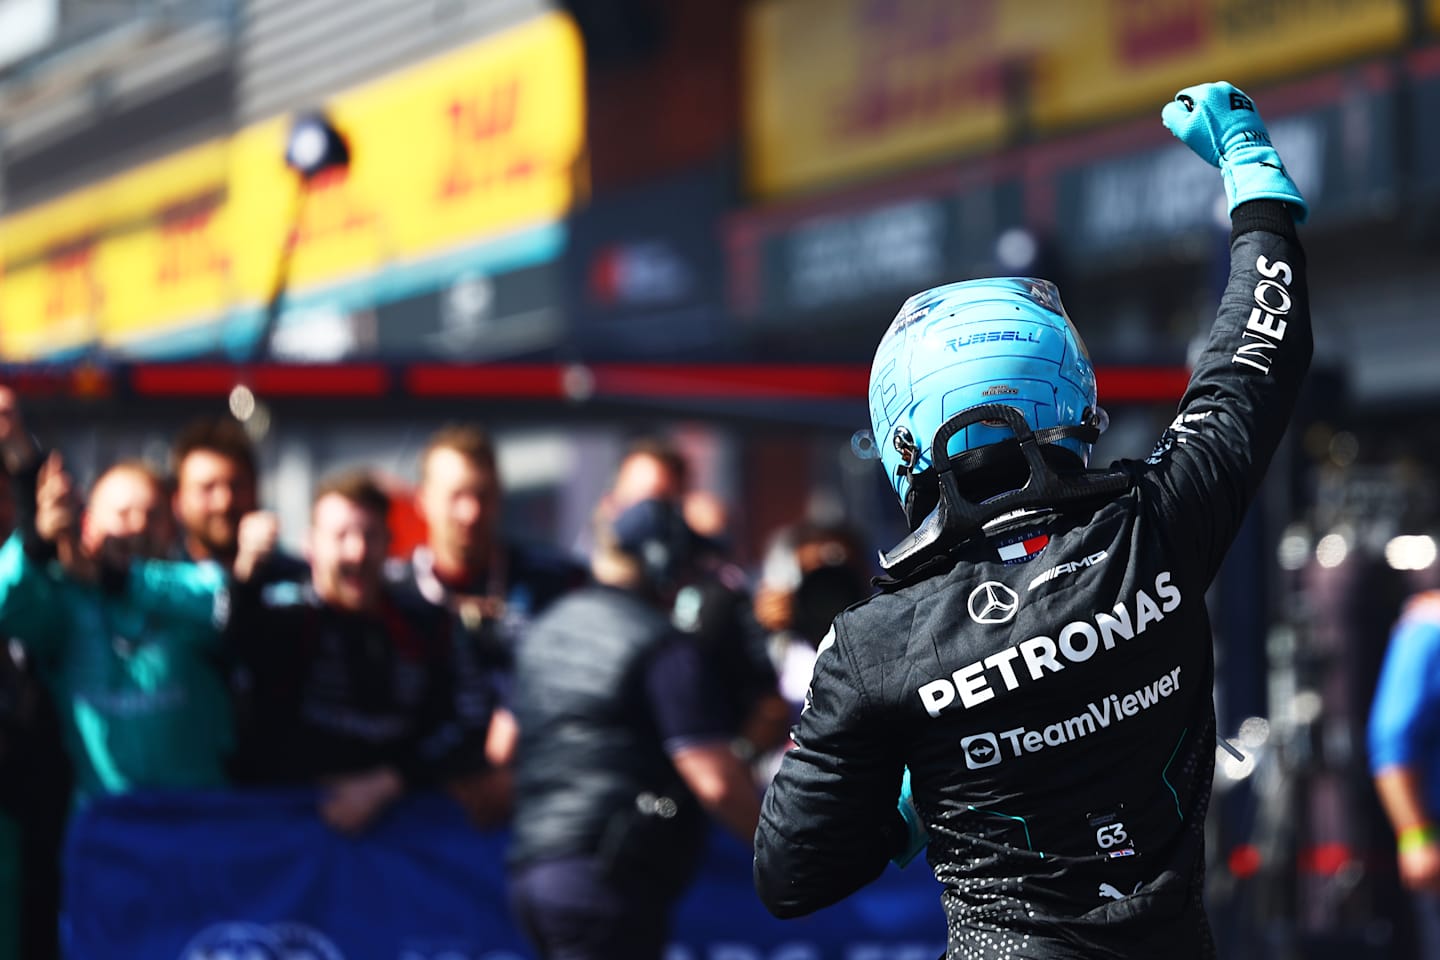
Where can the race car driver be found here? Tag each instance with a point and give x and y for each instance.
(1038, 663)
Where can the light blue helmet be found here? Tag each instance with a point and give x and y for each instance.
(962, 345)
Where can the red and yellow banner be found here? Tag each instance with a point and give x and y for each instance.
(843, 88)
(449, 153)
(146, 244)
(470, 145)
(1124, 56)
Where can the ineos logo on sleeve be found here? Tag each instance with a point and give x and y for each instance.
(993, 602)
(981, 750)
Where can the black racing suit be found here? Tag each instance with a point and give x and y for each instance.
(488, 618)
(1055, 714)
(342, 692)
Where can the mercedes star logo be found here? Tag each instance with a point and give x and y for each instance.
(993, 602)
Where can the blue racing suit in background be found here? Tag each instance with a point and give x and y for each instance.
(1405, 717)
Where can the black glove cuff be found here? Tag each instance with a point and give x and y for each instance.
(1268, 216)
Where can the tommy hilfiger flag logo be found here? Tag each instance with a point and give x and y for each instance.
(1019, 551)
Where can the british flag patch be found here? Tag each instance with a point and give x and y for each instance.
(1022, 549)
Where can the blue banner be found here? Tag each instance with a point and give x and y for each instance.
(257, 876)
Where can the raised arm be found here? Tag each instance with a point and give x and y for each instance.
(1243, 390)
(204, 594)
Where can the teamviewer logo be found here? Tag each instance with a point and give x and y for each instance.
(981, 750)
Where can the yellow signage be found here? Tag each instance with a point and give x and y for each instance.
(840, 89)
(466, 146)
(843, 88)
(1128, 56)
(457, 150)
(116, 254)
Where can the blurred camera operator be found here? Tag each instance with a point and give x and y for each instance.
(354, 676)
(713, 603)
(624, 745)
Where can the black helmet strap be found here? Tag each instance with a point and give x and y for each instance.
(956, 519)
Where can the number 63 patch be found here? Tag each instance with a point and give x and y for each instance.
(1111, 837)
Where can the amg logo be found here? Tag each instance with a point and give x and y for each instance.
(1060, 570)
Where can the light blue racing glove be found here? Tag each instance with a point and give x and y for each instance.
(916, 837)
(1221, 124)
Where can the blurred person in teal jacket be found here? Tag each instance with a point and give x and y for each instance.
(126, 643)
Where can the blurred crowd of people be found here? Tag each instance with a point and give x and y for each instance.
(160, 637)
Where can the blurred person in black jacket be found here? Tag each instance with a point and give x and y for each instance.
(215, 474)
(625, 744)
(354, 676)
(493, 587)
(35, 784)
